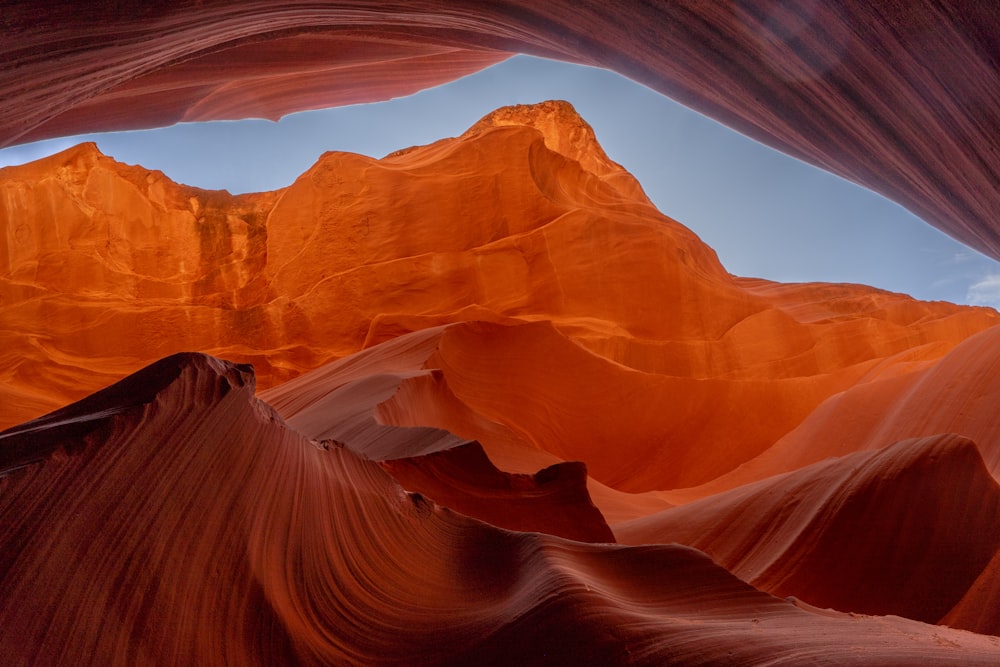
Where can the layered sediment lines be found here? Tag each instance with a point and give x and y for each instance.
(957, 394)
(483, 361)
(243, 542)
(554, 500)
(532, 225)
(905, 530)
(874, 532)
(901, 98)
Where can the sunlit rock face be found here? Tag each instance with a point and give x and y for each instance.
(522, 222)
(901, 97)
(481, 364)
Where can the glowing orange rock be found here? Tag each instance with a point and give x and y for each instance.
(245, 543)
(512, 286)
(904, 99)
(633, 312)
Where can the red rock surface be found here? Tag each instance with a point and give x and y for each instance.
(554, 500)
(189, 525)
(902, 97)
(904, 530)
(511, 287)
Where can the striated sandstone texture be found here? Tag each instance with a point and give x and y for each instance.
(190, 525)
(482, 363)
(902, 97)
(520, 221)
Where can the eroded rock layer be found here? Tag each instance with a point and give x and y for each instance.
(484, 361)
(864, 532)
(521, 220)
(901, 97)
(191, 526)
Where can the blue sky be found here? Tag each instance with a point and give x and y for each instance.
(766, 214)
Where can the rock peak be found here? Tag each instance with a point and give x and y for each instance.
(559, 111)
(180, 378)
(85, 153)
(565, 132)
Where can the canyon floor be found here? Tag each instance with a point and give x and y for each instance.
(476, 402)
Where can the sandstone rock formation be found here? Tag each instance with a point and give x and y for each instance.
(483, 361)
(191, 526)
(864, 532)
(901, 97)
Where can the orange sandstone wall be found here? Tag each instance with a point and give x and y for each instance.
(903, 98)
(522, 219)
(511, 287)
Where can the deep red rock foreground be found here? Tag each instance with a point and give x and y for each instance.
(483, 362)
